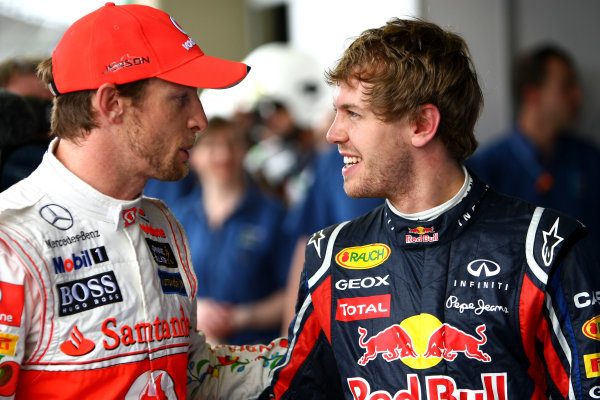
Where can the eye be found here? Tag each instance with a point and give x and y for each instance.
(183, 98)
(352, 114)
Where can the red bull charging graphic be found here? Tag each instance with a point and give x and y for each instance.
(421, 342)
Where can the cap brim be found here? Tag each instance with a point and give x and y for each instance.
(207, 72)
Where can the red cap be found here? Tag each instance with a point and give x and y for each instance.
(126, 43)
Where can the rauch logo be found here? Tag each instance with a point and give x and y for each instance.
(363, 257)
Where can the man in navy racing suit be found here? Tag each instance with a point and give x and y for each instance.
(449, 290)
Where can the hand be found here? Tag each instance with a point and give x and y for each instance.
(214, 319)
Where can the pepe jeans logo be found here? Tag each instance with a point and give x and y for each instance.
(489, 268)
(57, 216)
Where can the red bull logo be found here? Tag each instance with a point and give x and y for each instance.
(393, 342)
(421, 342)
(447, 341)
(424, 235)
(363, 257)
(437, 387)
(419, 230)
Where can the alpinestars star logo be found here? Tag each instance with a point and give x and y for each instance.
(551, 240)
(315, 240)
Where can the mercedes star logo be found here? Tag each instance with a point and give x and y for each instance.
(57, 216)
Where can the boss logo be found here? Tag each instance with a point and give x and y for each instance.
(365, 283)
(88, 293)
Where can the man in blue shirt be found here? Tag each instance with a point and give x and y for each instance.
(239, 251)
(540, 160)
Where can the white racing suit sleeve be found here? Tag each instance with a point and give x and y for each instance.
(230, 372)
(20, 303)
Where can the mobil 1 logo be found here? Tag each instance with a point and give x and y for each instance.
(88, 293)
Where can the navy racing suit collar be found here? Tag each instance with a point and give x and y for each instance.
(419, 233)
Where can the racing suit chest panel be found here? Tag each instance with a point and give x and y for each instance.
(108, 287)
(396, 315)
(110, 298)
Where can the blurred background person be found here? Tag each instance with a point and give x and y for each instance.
(25, 107)
(239, 252)
(542, 160)
(24, 138)
(281, 106)
(18, 75)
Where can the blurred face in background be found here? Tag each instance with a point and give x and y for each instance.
(559, 95)
(28, 85)
(218, 156)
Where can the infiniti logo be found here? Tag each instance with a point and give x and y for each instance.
(489, 267)
(57, 216)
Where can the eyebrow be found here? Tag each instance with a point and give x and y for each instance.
(346, 106)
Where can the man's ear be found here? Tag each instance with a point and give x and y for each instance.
(425, 125)
(108, 103)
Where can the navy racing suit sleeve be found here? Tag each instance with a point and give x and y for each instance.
(309, 369)
(568, 324)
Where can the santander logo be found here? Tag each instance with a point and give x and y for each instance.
(77, 345)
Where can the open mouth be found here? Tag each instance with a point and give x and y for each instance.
(350, 161)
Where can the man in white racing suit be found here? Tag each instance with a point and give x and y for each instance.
(97, 291)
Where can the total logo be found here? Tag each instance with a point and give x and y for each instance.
(86, 258)
(363, 257)
(424, 235)
(357, 308)
(152, 385)
(438, 387)
(421, 342)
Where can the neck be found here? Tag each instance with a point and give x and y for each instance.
(99, 166)
(221, 200)
(436, 179)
